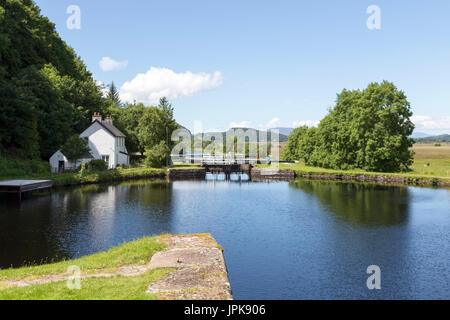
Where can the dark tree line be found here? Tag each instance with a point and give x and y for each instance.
(46, 92)
(47, 95)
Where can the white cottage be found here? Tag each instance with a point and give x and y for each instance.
(105, 141)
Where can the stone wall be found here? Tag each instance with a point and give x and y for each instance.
(377, 178)
(258, 175)
(183, 174)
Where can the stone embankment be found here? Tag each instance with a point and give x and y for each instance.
(260, 175)
(377, 178)
(201, 271)
(197, 173)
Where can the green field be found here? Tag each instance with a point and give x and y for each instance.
(431, 160)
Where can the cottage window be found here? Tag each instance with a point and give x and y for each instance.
(106, 159)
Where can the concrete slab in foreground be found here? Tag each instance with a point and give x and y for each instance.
(201, 274)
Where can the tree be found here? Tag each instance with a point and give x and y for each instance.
(46, 92)
(156, 124)
(75, 148)
(367, 129)
(151, 128)
(170, 125)
(127, 120)
(157, 156)
(113, 94)
(301, 144)
(292, 151)
(166, 107)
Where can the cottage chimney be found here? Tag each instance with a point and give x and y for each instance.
(97, 117)
(109, 120)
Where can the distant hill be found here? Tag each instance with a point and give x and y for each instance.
(416, 135)
(283, 130)
(283, 137)
(435, 139)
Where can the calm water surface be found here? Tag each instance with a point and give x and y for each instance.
(298, 240)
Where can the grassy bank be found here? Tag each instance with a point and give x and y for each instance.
(94, 285)
(70, 179)
(302, 170)
(137, 252)
(102, 288)
(431, 167)
(14, 169)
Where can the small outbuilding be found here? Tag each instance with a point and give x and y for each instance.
(59, 162)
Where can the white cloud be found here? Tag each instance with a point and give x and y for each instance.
(275, 122)
(103, 89)
(242, 124)
(431, 125)
(308, 123)
(109, 64)
(162, 82)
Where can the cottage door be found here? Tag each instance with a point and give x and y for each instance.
(61, 166)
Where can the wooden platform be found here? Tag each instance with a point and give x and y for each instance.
(21, 186)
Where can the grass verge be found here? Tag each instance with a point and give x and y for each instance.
(106, 288)
(137, 252)
(70, 179)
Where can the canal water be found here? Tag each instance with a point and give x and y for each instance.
(298, 240)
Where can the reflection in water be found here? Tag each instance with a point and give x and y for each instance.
(87, 219)
(304, 240)
(235, 176)
(360, 204)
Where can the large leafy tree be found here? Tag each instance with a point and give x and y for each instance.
(367, 129)
(127, 120)
(292, 151)
(156, 125)
(145, 127)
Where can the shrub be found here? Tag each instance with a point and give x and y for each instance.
(156, 156)
(83, 169)
(97, 165)
(75, 148)
(10, 167)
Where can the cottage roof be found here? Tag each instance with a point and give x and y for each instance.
(111, 128)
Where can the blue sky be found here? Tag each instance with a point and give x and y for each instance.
(264, 63)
